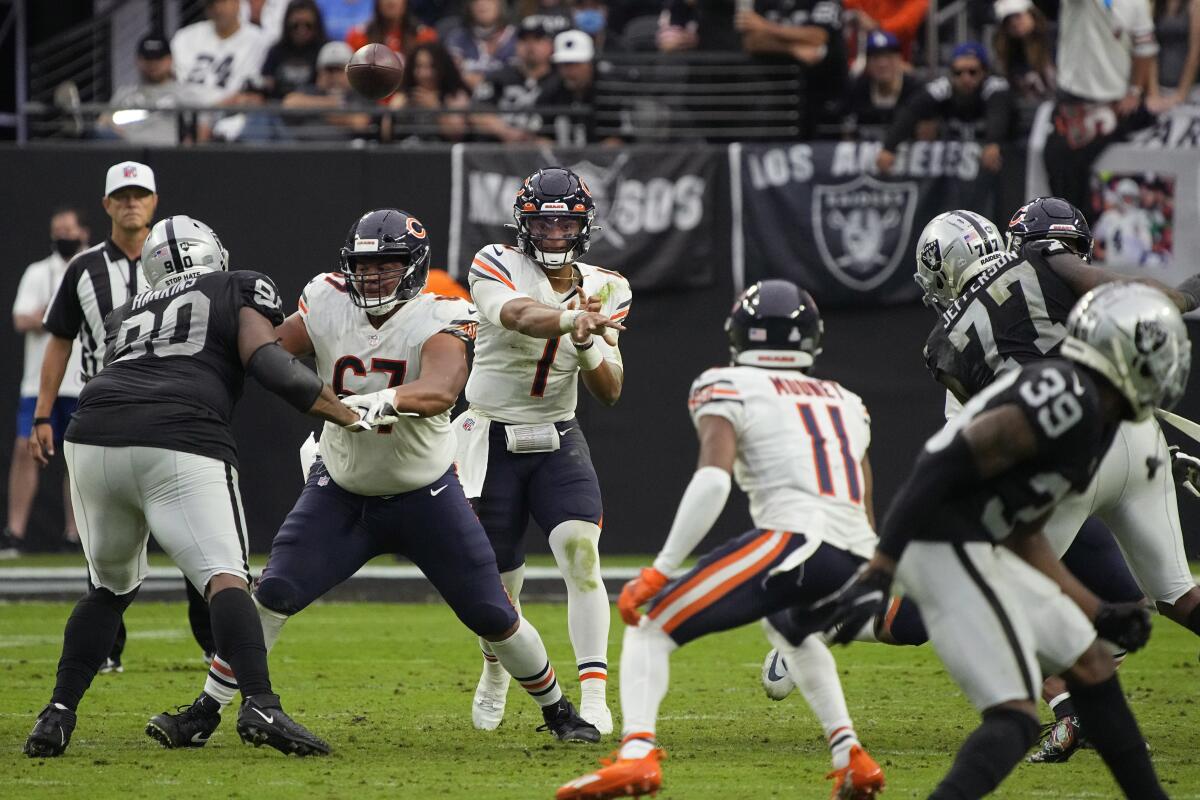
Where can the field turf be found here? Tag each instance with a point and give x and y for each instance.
(390, 687)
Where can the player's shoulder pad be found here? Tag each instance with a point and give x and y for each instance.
(495, 262)
(327, 283)
(717, 383)
(446, 308)
(939, 89)
(258, 291)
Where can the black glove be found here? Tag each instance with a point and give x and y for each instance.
(1127, 625)
(863, 598)
(1186, 471)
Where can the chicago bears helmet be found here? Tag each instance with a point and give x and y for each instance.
(1051, 218)
(181, 244)
(385, 236)
(553, 194)
(775, 323)
(949, 245)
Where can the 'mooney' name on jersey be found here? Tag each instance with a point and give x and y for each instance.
(518, 378)
(355, 358)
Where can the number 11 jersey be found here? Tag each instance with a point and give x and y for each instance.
(172, 371)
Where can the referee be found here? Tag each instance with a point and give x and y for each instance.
(98, 280)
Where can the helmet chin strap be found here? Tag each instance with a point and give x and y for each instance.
(779, 359)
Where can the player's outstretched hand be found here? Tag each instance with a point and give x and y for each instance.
(374, 409)
(859, 601)
(1186, 470)
(638, 592)
(1127, 625)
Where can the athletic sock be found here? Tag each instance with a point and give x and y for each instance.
(199, 619)
(574, 544)
(272, 624)
(239, 637)
(493, 671)
(87, 640)
(1114, 733)
(524, 657)
(221, 684)
(1193, 620)
(645, 677)
(593, 677)
(988, 755)
(812, 668)
(1062, 706)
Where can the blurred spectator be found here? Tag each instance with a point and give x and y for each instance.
(678, 27)
(1107, 56)
(591, 17)
(1024, 53)
(900, 18)
(267, 15)
(156, 89)
(35, 291)
(806, 31)
(1177, 28)
(884, 85)
(342, 15)
(484, 42)
(331, 91)
(432, 82)
(573, 57)
(970, 105)
(292, 61)
(440, 282)
(220, 55)
(391, 24)
(518, 88)
(1124, 237)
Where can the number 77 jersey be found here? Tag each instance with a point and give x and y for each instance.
(800, 446)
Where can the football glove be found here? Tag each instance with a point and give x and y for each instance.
(374, 409)
(1186, 470)
(860, 600)
(1127, 625)
(638, 591)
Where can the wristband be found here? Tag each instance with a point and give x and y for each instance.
(566, 320)
(41, 421)
(589, 356)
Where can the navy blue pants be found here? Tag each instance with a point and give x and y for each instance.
(330, 533)
(553, 487)
(730, 587)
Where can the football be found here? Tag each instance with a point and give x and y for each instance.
(375, 71)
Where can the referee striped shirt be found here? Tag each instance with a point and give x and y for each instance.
(97, 280)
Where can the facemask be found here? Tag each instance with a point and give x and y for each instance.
(66, 247)
(589, 20)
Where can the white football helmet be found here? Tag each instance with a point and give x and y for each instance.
(950, 244)
(1134, 336)
(181, 244)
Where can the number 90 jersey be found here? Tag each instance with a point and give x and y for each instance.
(172, 370)
(355, 358)
(800, 446)
(519, 378)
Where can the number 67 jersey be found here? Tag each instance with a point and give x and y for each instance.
(800, 446)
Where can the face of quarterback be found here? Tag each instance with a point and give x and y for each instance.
(555, 234)
(131, 208)
(379, 278)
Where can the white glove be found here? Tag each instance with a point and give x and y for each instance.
(1186, 470)
(374, 409)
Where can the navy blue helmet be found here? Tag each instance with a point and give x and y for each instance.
(1051, 218)
(385, 236)
(775, 323)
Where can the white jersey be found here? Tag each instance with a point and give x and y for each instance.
(1125, 236)
(800, 446)
(519, 378)
(34, 293)
(355, 358)
(218, 68)
(1097, 42)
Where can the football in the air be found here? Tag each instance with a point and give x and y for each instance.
(375, 71)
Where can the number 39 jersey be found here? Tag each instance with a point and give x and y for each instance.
(1013, 312)
(356, 358)
(518, 378)
(800, 446)
(172, 370)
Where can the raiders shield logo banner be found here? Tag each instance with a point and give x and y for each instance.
(656, 221)
(815, 214)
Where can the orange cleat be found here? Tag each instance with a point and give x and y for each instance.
(861, 779)
(618, 777)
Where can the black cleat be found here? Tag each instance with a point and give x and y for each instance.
(51, 733)
(261, 721)
(1061, 739)
(565, 723)
(189, 726)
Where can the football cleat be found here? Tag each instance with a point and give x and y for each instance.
(594, 709)
(564, 722)
(51, 733)
(261, 721)
(861, 779)
(775, 679)
(190, 726)
(1061, 739)
(617, 777)
(487, 709)
(111, 666)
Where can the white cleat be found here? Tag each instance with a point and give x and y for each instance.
(595, 710)
(487, 709)
(775, 679)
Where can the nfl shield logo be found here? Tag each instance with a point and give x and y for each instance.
(130, 172)
(323, 480)
(468, 424)
(862, 228)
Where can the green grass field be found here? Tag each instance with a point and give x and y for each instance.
(390, 687)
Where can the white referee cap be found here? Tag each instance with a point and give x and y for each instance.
(129, 173)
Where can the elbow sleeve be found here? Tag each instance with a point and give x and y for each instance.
(279, 372)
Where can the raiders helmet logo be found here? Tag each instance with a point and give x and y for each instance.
(1148, 336)
(931, 255)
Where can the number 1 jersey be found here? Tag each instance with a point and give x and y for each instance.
(172, 371)
(801, 442)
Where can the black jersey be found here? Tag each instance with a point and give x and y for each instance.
(1062, 404)
(1012, 313)
(172, 370)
